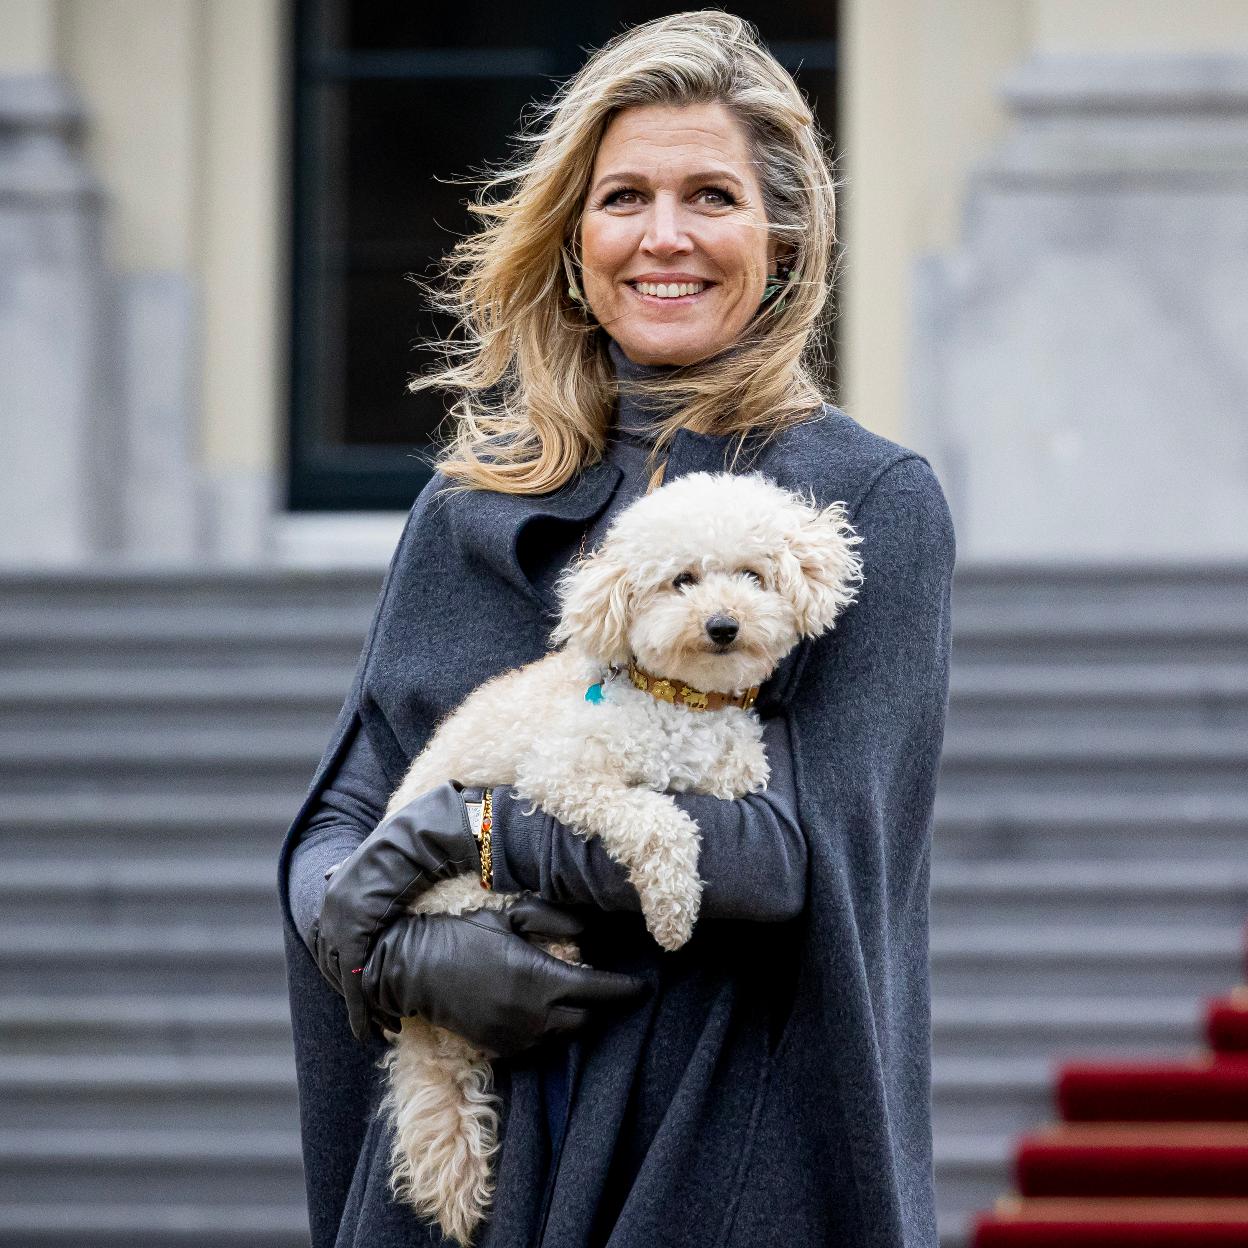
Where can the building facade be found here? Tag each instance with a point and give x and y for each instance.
(1044, 212)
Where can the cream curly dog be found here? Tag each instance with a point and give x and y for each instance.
(698, 589)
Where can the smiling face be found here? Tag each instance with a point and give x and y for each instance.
(674, 242)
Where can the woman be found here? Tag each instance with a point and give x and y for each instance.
(644, 300)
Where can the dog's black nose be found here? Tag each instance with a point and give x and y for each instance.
(722, 629)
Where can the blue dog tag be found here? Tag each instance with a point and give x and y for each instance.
(594, 693)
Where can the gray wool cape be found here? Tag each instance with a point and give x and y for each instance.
(774, 1085)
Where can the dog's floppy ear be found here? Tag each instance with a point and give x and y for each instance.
(596, 597)
(819, 571)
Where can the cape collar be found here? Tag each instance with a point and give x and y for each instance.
(499, 525)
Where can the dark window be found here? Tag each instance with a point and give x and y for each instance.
(394, 100)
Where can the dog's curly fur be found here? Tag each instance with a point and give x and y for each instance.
(741, 546)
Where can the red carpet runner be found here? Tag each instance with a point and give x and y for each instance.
(1147, 1155)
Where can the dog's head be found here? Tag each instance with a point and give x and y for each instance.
(712, 580)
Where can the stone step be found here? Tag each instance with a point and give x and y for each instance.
(177, 699)
(86, 748)
(1094, 764)
(1026, 588)
(1175, 760)
(1114, 696)
(1043, 647)
(971, 1172)
(187, 624)
(173, 1025)
(204, 590)
(259, 1025)
(1038, 748)
(233, 825)
(1098, 599)
(1086, 961)
(1140, 892)
(120, 1223)
(1108, 697)
(952, 1230)
(87, 827)
(1109, 746)
(990, 1095)
(1030, 587)
(192, 764)
(1056, 1029)
(142, 1092)
(159, 638)
(91, 827)
(1059, 827)
(157, 1167)
(205, 892)
(1076, 683)
(1029, 582)
(1117, 961)
(1171, 628)
(200, 891)
(106, 960)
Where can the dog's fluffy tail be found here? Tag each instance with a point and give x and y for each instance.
(445, 1116)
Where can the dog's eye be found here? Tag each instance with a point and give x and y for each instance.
(685, 578)
(754, 576)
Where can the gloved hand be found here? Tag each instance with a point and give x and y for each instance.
(428, 840)
(476, 975)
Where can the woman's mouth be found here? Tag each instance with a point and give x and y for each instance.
(670, 292)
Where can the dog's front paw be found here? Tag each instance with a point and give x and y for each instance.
(670, 906)
(756, 774)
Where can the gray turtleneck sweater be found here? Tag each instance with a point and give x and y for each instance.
(753, 857)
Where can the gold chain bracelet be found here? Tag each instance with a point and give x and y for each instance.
(487, 855)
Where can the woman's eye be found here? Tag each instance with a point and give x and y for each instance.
(754, 576)
(623, 197)
(717, 196)
(685, 578)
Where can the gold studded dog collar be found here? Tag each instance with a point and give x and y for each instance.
(680, 694)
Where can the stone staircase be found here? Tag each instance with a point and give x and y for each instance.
(1090, 879)
(156, 735)
(1090, 865)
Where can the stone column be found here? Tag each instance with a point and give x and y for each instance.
(57, 469)
(1081, 361)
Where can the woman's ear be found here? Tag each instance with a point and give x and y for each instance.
(596, 598)
(820, 571)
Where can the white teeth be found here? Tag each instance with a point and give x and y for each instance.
(670, 290)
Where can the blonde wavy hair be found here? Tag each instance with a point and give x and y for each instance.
(532, 382)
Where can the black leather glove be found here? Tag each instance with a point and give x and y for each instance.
(427, 841)
(476, 975)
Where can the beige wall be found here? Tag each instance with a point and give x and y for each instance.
(919, 108)
(243, 236)
(186, 133)
(137, 64)
(28, 45)
(1139, 25)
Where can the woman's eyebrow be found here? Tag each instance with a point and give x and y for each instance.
(708, 175)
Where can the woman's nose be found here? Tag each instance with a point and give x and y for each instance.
(665, 233)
